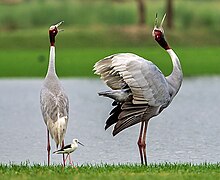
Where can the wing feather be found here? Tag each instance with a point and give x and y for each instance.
(51, 104)
(147, 83)
(108, 74)
(133, 114)
(55, 111)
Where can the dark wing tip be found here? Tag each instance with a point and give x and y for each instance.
(113, 118)
(114, 133)
(117, 130)
(107, 126)
(115, 103)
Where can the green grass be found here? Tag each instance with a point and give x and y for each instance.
(127, 171)
(93, 31)
(106, 36)
(79, 62)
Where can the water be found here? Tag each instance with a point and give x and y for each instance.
(187, 131)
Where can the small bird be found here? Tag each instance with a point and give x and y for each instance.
(139, 89)
(53, 99)
(69, 149)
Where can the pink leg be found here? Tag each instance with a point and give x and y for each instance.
(48, 148)
(71, 163)
(144, 142)
(66, 158)
(63, 154)
(140, 145)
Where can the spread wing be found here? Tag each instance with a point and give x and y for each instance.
(105, 69)
(147, 83)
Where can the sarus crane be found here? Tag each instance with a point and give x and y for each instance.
(53, 100)
(138, 87)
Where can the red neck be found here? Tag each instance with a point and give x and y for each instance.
(159, 37)
(163, 43)
(52, 39)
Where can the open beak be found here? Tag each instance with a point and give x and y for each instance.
(160, 28)
(58, 24)
(161, 24)
(156, 22)
(80, 143)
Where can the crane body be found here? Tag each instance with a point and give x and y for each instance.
(53, 100)
(139, 89)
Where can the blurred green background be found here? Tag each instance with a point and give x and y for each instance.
(97, 28)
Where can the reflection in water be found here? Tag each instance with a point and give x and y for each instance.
(187, 131)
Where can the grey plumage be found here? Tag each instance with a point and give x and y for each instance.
(121, 95)
(147, 85)
(54, 103)
(139, 88)
(53, 100)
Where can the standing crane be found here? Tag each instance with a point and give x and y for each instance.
(139, 89)
(53, 100)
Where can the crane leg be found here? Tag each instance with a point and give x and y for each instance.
(144, 142)
(140, 144)
(48, 148)
(63, 154)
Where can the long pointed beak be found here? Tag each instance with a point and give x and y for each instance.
(161, 24)
(80, 143)
(155, 24)
(58, 24)
(160, 28)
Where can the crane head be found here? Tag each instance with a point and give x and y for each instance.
(53, 30)
(158, 33)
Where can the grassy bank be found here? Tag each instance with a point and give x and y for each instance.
(162, 171)
(106, 36)
(78, 62)
(96, 29)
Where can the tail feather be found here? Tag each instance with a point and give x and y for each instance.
(58, 129)
(129, 117)
(125, 123)
(58, 152)
(113, 118)
(55, 152)
(118, 95)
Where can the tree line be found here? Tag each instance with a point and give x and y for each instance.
(142, 11)
(142, 8)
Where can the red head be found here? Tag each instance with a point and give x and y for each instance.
(53, 30)
(158, 34)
